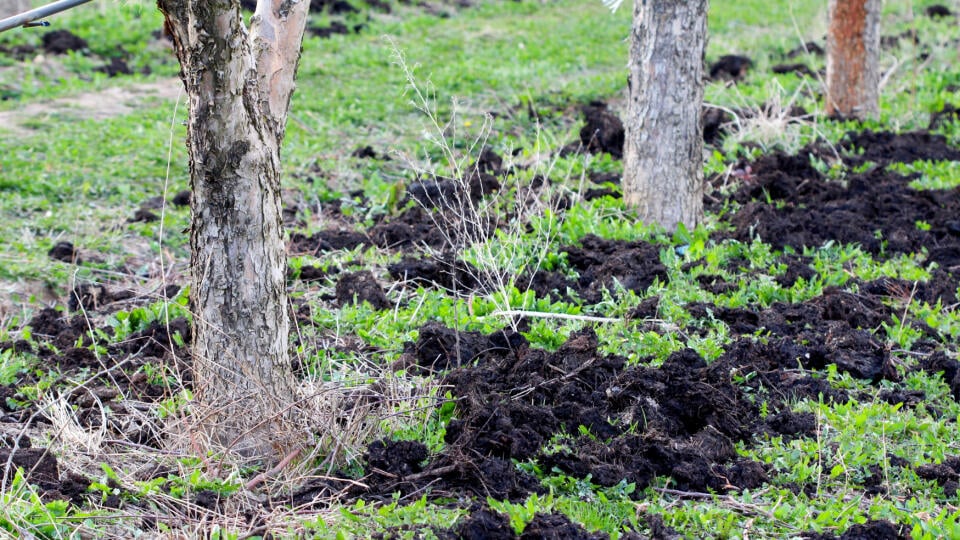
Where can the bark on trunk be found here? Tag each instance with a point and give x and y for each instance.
(853, 48)
(663, 150)
(238, 83)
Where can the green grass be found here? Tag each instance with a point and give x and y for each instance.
(80, 180)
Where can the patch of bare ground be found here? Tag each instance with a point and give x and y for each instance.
(95, 105)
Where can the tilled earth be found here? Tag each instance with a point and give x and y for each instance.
(591, 415)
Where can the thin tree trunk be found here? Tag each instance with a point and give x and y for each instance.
(239, 84)
(663, 149)
(853, 48)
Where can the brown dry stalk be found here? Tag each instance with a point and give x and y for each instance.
(262, 477)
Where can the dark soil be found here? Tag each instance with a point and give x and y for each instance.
(333, 29)
(182, 198)
(731, 67)
(871, 530)
(938, 11)
(556, 526)
(62, 41)
(39, 464)
(885, 147)
(715, 122)
(484, 524)
(453, 194)
(602, 131)
(876, 209)
(949, 113)
(64, 251)
(92, 297)
(800, 70)
(602, 263)
(367, 152)
(117, 66)
(810, 47)
(360, 287)
(442, 271)
(946, 474)
(516, 398)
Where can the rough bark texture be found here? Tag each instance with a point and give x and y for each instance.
(853, 48)
(238, 83)
(663, 150)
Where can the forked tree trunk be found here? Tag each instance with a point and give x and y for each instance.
(238, 83)
(663, 150)
(853, 49)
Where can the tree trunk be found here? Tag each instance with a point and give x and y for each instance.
(853, 48)
(663, 149)
(239, 84)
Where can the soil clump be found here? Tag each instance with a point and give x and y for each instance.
(602, 131)
(731, 67)
(602, 263)
(62, 41)
(786, 202)
(360, 287)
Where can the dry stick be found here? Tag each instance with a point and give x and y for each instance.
(744, 507)
(262, 477)
(547, 315)
(567, 316)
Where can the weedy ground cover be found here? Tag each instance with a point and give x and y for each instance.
(496, 346)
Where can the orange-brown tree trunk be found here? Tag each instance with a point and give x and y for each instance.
(663, 147)
(853, 49)
(238, 82)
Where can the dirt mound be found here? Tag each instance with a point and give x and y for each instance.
(485, 524)
(800, 70)
(413, 227)
(871, 530)
(715, 122)
(399, 458)
(787, 203)
(62, 41)
(946, 474)
(116, 66)
(439, 348)
(938, 11)
(328, 240)
(64, 251)
(731, 67)
(602, 263)
(444, 271)
(360, 287)
(603, 131)
(949, 113)
(92, 297)
(556, 525)
(834, 328)
(453, 194)
(680, 420)
(810, 47)
(948, 367)
(885, 147)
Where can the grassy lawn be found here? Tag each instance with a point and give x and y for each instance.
(84, 157)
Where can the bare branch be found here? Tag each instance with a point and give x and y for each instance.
(276, 34)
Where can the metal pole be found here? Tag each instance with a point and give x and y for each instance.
(39, 13)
